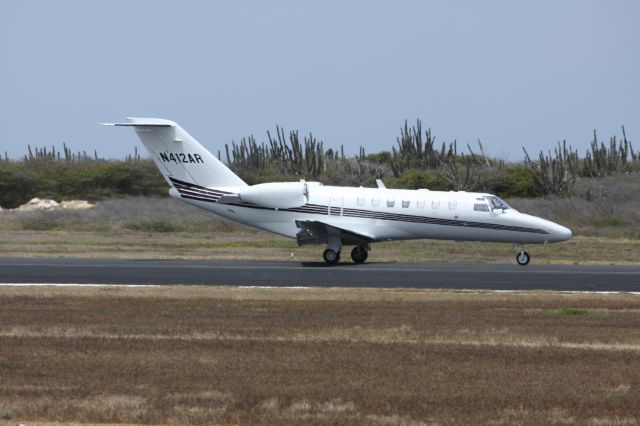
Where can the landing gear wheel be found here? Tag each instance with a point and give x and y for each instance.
(523, 258)
(331, 256)
(359, 254)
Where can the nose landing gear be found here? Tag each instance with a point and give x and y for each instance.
(523, 257)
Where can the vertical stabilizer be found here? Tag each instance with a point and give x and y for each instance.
(179, 156)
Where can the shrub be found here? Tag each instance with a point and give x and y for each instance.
(514, 181)
(145, 225)
(416, 179)
(40, 221)
(382, 157)
(16, 186)
(92, 180)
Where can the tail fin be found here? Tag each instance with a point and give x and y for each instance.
(179, 156)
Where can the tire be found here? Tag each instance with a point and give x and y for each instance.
(359, 254)
(523, 258)
(331, 256)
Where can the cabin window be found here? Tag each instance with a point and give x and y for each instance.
(391, 202)
(435, 204)
(420, 204)
(453, 204)
(405, 204)
(375, 202)
(361, 201)
(481, 207)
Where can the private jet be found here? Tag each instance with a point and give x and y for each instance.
(313, 213)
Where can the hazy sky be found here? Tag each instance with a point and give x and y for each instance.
(510, 73)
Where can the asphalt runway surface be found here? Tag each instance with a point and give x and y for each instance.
(15, 270)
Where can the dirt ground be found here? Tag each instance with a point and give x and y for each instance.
(201, 355)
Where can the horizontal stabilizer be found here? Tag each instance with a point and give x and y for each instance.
(144, 122)
(138, 124)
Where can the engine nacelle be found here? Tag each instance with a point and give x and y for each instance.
(277, 195)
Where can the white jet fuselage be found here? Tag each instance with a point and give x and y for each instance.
(386, 214)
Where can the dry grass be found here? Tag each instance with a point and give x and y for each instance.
(343, 356)
(263, 246)
(124, 214)
(149, 228)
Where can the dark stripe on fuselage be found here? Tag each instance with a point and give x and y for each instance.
(199, 193)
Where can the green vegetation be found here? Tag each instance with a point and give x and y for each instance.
(415, 161)
(46, 174)
(568, 312)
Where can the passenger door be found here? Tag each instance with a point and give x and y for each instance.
(335, 205)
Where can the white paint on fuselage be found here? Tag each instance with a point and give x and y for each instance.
(458, 206)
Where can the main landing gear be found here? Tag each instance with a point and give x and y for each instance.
(523, 257)
(359, 254)
(331, 256)
(334, 246)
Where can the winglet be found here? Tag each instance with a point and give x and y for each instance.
(380, 184)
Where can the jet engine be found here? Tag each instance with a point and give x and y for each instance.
(276, 195)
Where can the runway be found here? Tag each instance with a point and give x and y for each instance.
(15, 270)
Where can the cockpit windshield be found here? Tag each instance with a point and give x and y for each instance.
(497, 203)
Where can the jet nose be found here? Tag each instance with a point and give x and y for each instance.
(560, 233)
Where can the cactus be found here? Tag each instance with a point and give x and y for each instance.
(556, 173)
(413, 152)
(605, 161)
(461, 171)
(292, 156)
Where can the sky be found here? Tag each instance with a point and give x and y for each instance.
(510, 73)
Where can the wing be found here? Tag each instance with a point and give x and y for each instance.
(316, 232)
